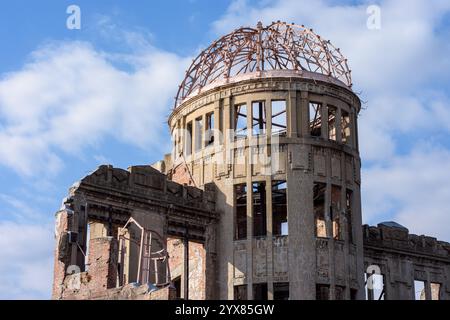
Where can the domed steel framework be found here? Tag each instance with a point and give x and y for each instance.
(279, 46)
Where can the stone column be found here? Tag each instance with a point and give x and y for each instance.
(210, 262)
(291, 112)
(302, 244)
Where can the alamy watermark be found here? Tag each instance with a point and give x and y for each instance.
(374, 19)
(73, 22)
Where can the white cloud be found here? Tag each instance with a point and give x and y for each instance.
(70, 96)
(26, 266)
(413, 189)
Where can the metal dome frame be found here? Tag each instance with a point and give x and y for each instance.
(279, 46)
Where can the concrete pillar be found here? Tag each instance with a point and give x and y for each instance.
(329, 226)
(291, 113)
(303, 119)
(249, 276)
(210, 262)
(302, 244)
(186, 266)
(269, 238)
(358, 239)
(324, 115)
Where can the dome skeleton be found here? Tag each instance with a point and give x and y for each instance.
(279, 46)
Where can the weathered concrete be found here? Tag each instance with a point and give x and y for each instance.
(103, 201)
(404, 257)
(304, 140)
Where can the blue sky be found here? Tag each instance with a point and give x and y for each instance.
(73, 99)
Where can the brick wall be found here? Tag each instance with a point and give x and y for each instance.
(180, 174)
(197, 266)
(103, 254)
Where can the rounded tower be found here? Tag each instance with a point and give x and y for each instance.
(268, 115)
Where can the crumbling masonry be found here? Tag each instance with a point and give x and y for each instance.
(260, 198)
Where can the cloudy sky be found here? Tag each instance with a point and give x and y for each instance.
(71, 100)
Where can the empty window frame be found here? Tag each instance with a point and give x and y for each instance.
(240, 121)
(345, 126)
(349, 214)
(319, 209)
(209, 130)
(240, 292)
(259, 118)
(240, 223)
(198, 133)
(335, 212)
(260, 291)
(374, 286)
(259, 209)
(322, 292)
(339, 293)
(279, 121)
(419, 290)
(281, 291)
(188, 139)
(332, 132)
(315, 119)
(435, 290)
(279, 209)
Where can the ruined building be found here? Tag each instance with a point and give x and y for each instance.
(260, 198)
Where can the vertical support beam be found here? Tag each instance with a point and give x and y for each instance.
(183, 135)
(250, 213)
(194, 143)
(228, 114)
(217, 122)
(291, 114)
(358, 238)
(329, 227)
(269, 238)
(226, 205)
(186, 264)
(268, 121)
(356, 134)
(303, 119)
(249, 121)
(345, 229)
(427, 287)
(203, 134)
(338, 125)
(324, 124)
(74, 228)
(249, 156)
(210, 262)
(302, 242)
(352, 128)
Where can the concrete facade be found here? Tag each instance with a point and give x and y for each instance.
(260, 199)
(295, 157)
